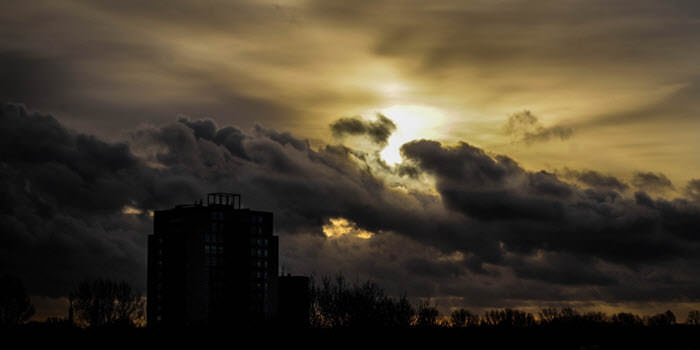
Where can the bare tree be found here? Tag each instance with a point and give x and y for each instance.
(463, 318)
(664, 319)
(15, 305)
(627, 319)
(336, 303)
(427, 315)
(101, 303)
(548, 315)
(509, 318)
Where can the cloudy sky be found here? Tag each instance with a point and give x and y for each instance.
(483, 153)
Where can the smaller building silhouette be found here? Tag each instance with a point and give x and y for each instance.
(294, 301)
(212, 264)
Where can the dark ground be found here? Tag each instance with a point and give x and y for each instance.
(606, 337)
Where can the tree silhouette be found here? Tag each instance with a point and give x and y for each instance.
(463, 318)
(15, 305)
(594, 317)
(693, 318)
(664, 319)
(427, 315)
(102, 303)
(336, 303)
(508, 318)
(627, 319)
(548, 315)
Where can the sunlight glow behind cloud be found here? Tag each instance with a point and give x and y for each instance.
(339, 227)
(413, 122)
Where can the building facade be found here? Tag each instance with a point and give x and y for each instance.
(213, 264)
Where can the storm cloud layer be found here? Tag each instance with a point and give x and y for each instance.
(489, 233)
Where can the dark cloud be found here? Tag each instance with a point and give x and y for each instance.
(595, 179)
(561, 269)
(493, 230)
(524, 127)
(546, 213)
(62, 194)
(205, 129)
(283, 138)
(648, 181)
(693, 189)
(378, 131)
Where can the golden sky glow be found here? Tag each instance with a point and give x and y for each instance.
(413, 123)
(339, 227)
(621, 78)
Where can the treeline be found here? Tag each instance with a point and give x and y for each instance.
(97, 303)
(336, 303)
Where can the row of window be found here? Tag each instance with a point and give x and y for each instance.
(218, 227)
(213, 255)
(213, 237)
(214, 260)
(259, 287)
(258, 252)
(258, 274)
(260, 242)
(219, 216)
(211, 249)
(259, 263)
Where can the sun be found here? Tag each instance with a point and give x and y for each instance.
(413, 122)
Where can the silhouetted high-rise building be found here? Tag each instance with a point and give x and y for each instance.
(212, 264)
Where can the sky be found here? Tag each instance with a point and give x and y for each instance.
(481, 154)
